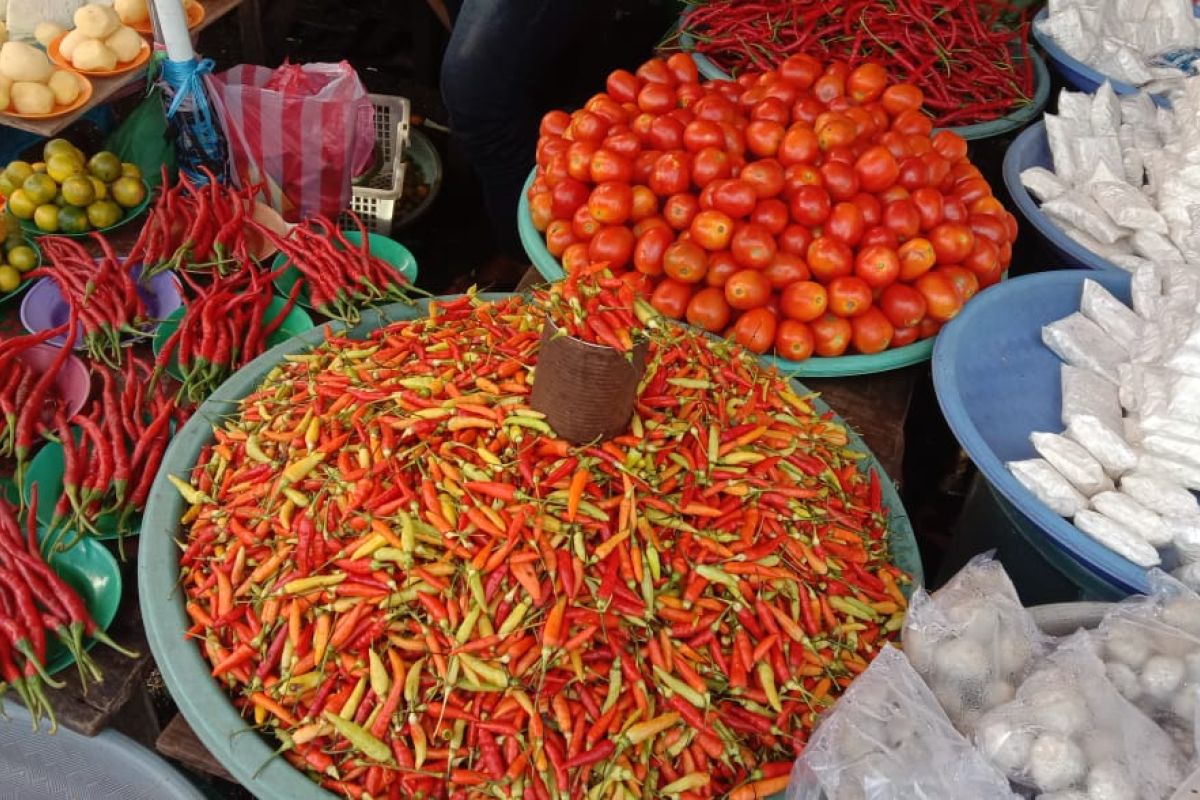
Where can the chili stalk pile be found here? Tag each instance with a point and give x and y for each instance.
(394, 565)
(970, 59)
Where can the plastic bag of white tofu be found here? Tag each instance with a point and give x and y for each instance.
(887, 739)
(1150, 646)
(1069, 730)
(972, 641)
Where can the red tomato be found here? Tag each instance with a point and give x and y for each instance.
(913, 173)
(966, 283)
(954, 210)
(567, 196)
(734, 197)
(786, 269)
(866, 82)
(972, 190)
(584, 225)
(688, 94)
(800, 70)
(831, 335)
(795, 239)
(1010, 222)
(895, 144)
(872, 209)
(765, 176)
(878, 266)
(655, 70)
(829, 258)
(917, 257)
(702, 133)
(672, 174)
(901, 97)
(644, 205)
(987, 205)
(712, 230)
(798, 175)
(656, 98)
(941, 296)
(559, 237)
(877, 169)
(587, 126)
(984, 259)
(807, 109)
(641, 284)
(846, 223)
(965, 170)
(671, 298)
(643, 165)
(649, 223)
(715, 108)
(930, 206)
(904, 337)
(879, 235)
(622, 85)
(720, 266)
(685, 261)
(611, 202)
(746, 289)
(829, 87)
(649, 249)
(919, 145)
(799, 145)
(849, 296)
(541, 209)
(554, 123)
(680, 210)
(575, 257)
(755, 330)
(841, 181)
(793, 340)
(871, 332)
(709, 310)
(950, 146)
(641, 125)
(549, 146)
(772, 214)
(753, 246)
(804, 300)
(810, 205)
(623, 142)
(844, 154)
(604, 106)
(928, 327)
(614, 244)
(903, 305)
(937, 167)
(893, 193)
(683, 68)
(952, 242)
(666, 133)
(902, 217)
(771, 109)
(763, 137)
(912, 123)
(735, 142)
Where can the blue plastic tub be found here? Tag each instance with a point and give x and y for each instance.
(1074, 72)
(996, 383)
(1032, 149)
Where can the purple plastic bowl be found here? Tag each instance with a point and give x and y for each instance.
(44, 308)
(73, 382)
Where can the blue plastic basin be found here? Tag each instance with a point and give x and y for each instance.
(996, 383)
(1032, 149)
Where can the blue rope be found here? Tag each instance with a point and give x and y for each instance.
(199, 139)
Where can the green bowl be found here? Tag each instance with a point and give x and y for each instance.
(92, 572)
(130, 214)
(204, 704)
(381, 246)
(295, 323)
(46, 470)
(25, 282)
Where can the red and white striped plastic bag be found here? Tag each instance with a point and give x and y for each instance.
(302, 130)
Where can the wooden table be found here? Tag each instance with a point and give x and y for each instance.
(105, 89)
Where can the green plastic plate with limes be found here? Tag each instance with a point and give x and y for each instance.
(129, 214)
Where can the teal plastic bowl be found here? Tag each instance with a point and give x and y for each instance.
(980, 130)
(816, 367)
(250, 757)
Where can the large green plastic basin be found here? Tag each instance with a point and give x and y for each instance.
(248, 756)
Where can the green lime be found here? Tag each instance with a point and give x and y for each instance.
(46, 218)
(105, 166)
(21, 205)
(129, 192)
(60, 167)
(73, 220)
(78, 191)
(17, 172)
(58, 147)
(10, 279)
(40, 188)
(22, 258)
(104, 214)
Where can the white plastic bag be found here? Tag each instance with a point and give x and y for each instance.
(1085, 392)
(1160, 493)
(1082, 343)
(1069, 729)
(1114, 317)
(1135, 517)
(1042, 183)
(972, 641)
(1077, 209)
(1047, 485)
(1072, 461)
(887, 739)
(1106, 445)
(1117, 537)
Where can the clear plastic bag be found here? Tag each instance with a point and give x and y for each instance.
(1116, 537)
(1047, 485)
(1114, 317)
(887, 739)
(1080, 211)
(1072, 461)
(1104, 444)
(1085, 392)
(1082, 343)
(1161, 493)
(1069, 729)
(972, 641)
(1042, 183)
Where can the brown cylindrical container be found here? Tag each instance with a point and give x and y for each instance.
(586, 390)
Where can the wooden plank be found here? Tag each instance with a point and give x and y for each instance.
(104, 89)
(179, 741)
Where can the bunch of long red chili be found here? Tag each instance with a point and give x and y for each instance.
(340, 277)
(35, 601)
(394, 565)
(196, 226)
(224, 327)
(971, 59)
(28, 399)
(593, 306)
(110, 464)
(102, 292)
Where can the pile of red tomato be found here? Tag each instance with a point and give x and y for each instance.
(810, 209)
